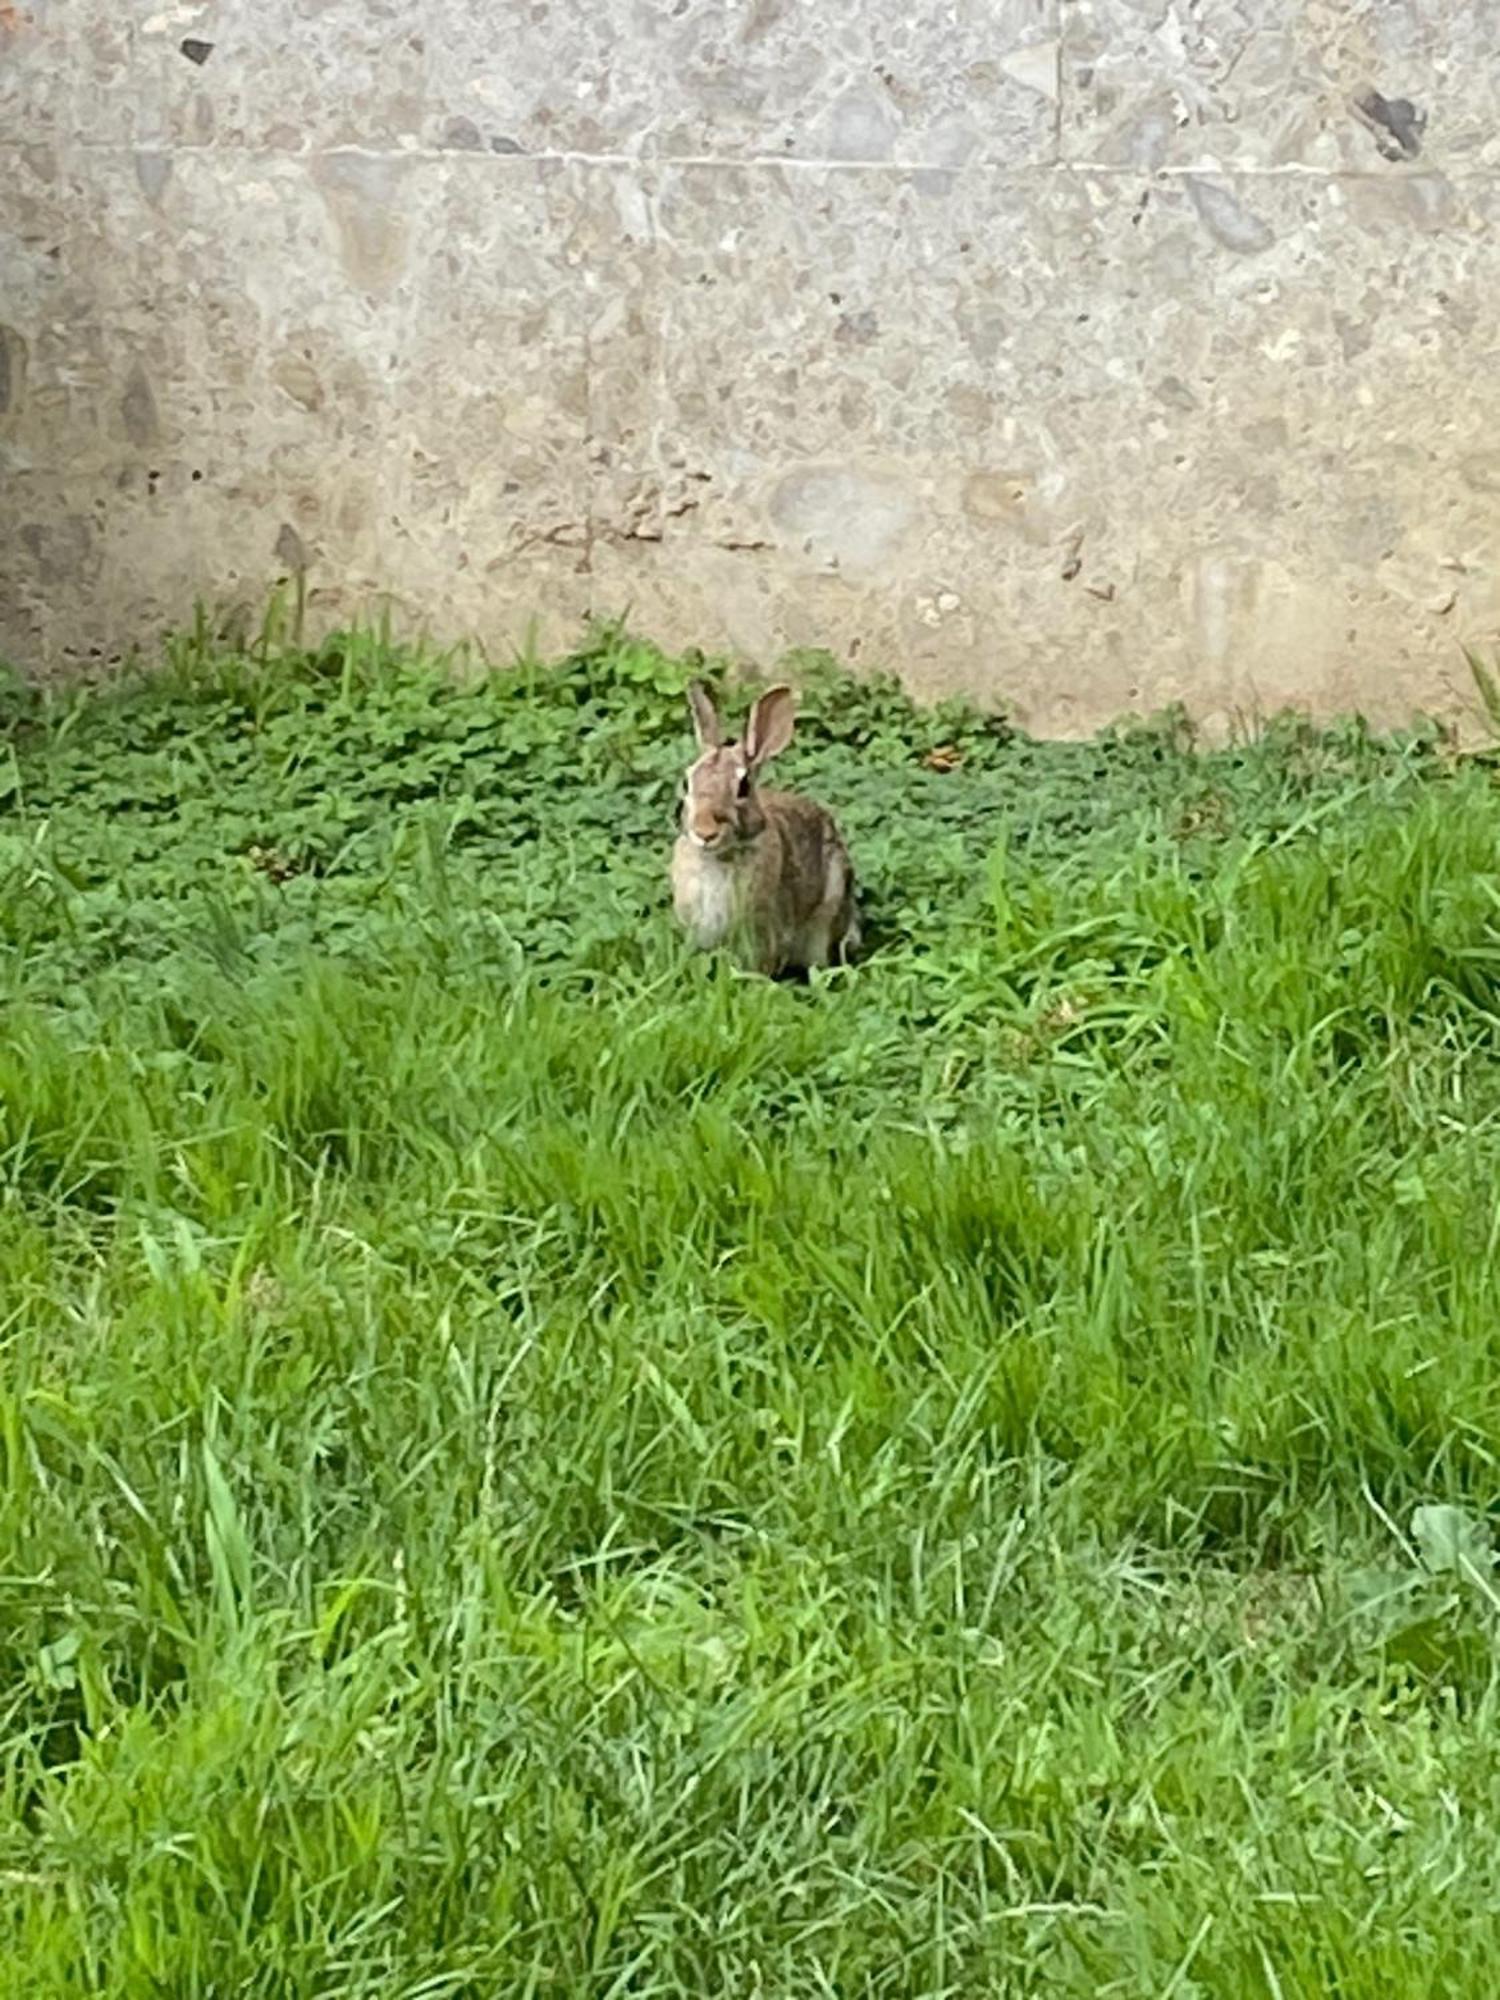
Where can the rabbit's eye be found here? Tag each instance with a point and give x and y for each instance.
(744, 785)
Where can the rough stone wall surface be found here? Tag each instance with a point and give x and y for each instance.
(1085, 355)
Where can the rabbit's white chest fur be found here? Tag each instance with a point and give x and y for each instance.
(705, 894)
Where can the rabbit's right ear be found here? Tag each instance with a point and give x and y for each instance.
(705, 717)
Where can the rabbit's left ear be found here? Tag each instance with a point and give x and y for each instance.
(770, 727)
(705, 717)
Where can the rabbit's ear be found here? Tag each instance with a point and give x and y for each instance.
(770, 726)
(705, 717)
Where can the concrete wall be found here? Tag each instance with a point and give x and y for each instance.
(1087, 354)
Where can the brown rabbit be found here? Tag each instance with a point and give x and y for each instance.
(765, 872)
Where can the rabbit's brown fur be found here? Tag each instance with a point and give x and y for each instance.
(766, 873)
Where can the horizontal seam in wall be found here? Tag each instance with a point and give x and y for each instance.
(753, 162)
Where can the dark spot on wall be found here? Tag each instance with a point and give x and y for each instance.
(1394, 123)
(290, 550)
(196, 51)
(462, 135)
(64, 551)
(12, 371)
(138, 409)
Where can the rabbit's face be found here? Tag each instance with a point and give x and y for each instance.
(721, 812)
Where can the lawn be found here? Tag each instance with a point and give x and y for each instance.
(533, 1464)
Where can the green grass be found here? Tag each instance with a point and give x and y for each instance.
(531, 1464)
